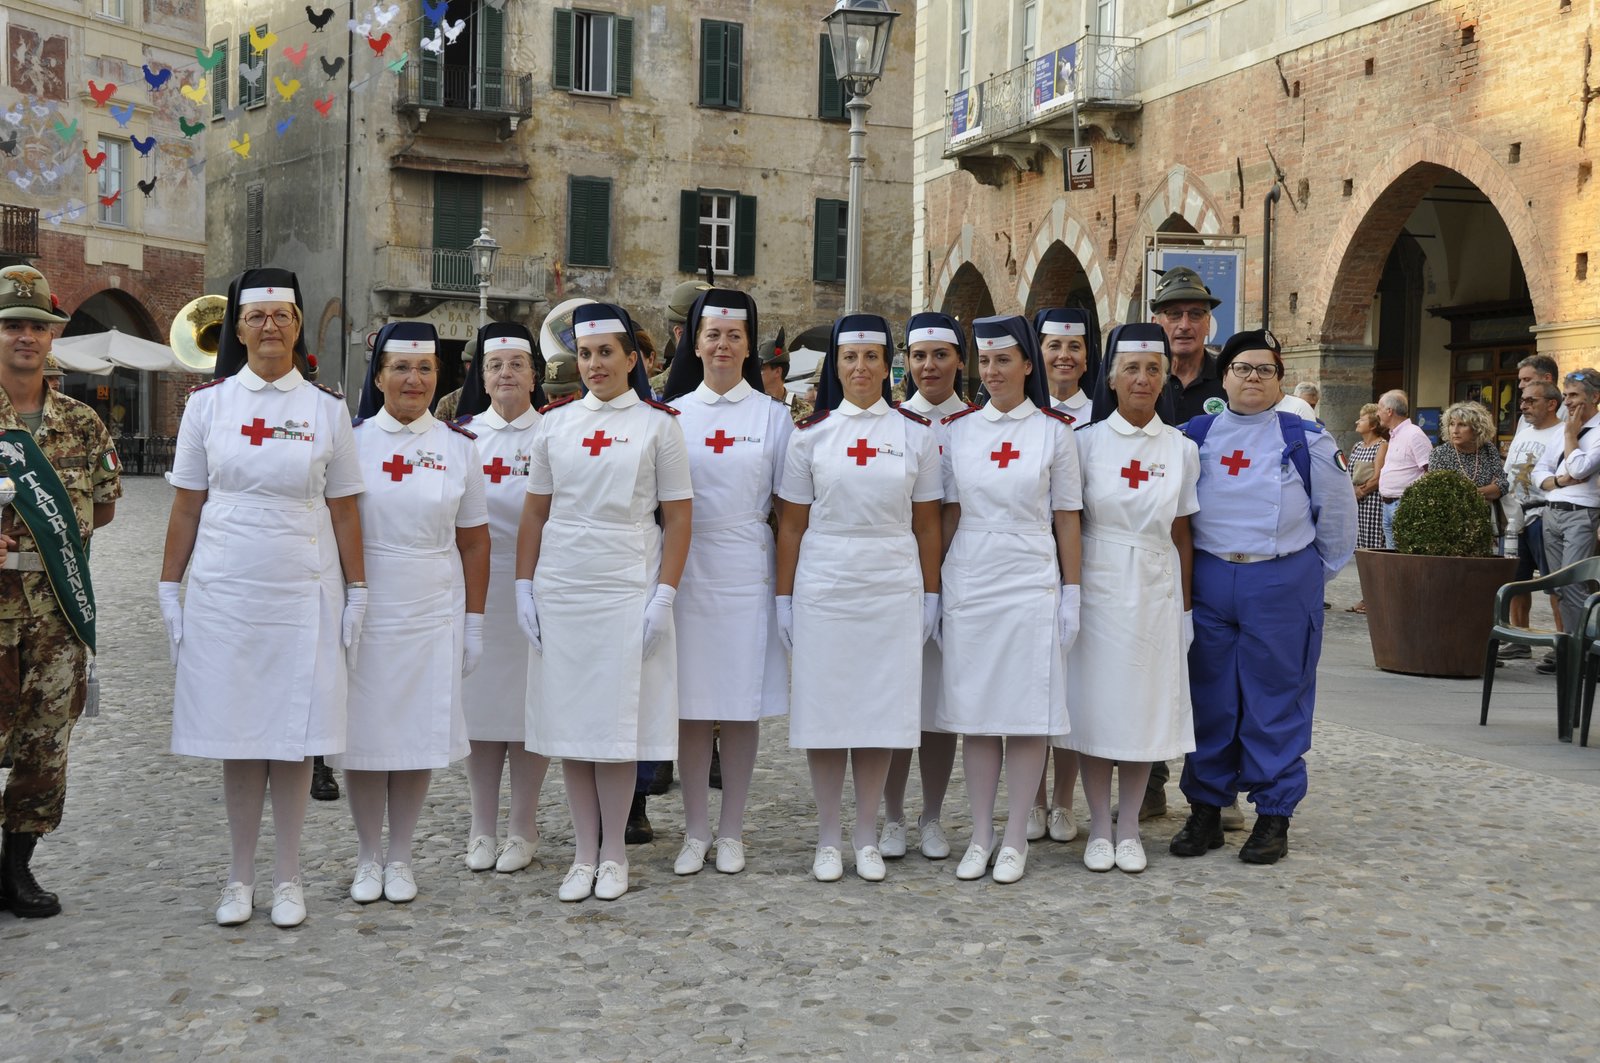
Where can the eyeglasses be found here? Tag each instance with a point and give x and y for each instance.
(1194, 313)
(1245, 371)
(257, 319)
(515, 365)
(1584, 376)
(403, 369)
(1534, 402)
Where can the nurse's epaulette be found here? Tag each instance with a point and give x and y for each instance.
(207, 384)
(459, 430)
(917, 417)
(358, 422)
(814, 418)
(960, 414)
(325, 388)
(556, 405)
(1060, 415)
(663, 407)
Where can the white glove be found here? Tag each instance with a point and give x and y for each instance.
(528, 614)
(1067, 615)
(930, 619)
(657, 615)
(786, 620)
(472, 644)
(172, 616)
(355, 614)
(1188, 629)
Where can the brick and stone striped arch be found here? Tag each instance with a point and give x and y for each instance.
(1061, 227)
(966, 250)
(1360, 245)
(1182, 193)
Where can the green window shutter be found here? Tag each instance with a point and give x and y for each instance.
(561, 62)
(588, 221)
(744, 236)
(457, 217)
(830, 91)
(219, 81)
(254, 224)
(711, 41)
(733, 65)
(689, 231)
(491, 72)
(244, 59)
(430, 82)
(830, 241)
(622, 57)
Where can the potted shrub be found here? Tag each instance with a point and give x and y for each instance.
(1430, 601)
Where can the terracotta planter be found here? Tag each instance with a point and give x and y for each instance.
(1430, 615)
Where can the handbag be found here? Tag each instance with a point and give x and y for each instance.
(1361, 471)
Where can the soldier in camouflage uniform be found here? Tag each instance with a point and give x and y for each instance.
(42, 662)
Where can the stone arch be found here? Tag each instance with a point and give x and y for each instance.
(1181, 193)
(113, 308)
(1061, 230)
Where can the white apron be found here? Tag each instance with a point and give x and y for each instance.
(494, 696)
(261, 672)
(858, 585)
(932, 655)
(591, 694)
(1127, 674)
(731, 662)
(1004, 670)
(405, 691)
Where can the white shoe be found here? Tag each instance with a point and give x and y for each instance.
(691, 858)
(480, 853)
(869, 863)
(730, 855)
(1009, 865)
(829, 864)
(398, 884)
(935, 846)
(611, 881)
(1130, 856)
(288, 904)
(368, 884)
(974, 864)
(516, 853)
(1062, 827)
(1099, 855)
(1036, 820)
(892, 842)
(236, 905)
(578, 884)
(1232, 816)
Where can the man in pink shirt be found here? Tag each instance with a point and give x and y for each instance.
(1406, 459)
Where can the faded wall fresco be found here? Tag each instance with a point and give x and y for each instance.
(184, 16)
(36, 66)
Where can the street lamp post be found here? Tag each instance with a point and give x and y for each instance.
(484, 250)
(858, 37)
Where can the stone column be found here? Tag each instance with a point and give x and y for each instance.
(1343, 372)
(1573, 344)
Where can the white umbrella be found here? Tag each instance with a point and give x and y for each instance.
(119, 348)
(80, 363)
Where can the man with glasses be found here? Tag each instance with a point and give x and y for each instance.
(1182, 305)
(1405, 460)
(1538, 430)
(1566, 473)
(1277, 520)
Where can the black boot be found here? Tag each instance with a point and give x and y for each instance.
(1200, 834)
(18, 890)
(324, 787)
(662, 782)
(716, 766)
(1268, 843)
(639, 831)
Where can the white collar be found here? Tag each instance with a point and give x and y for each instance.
(849, 409)
(385, 420)
(287, 382)
(628, 398)
(1077, 401)
(1121, 426)
(920, 404)
(738, 393)
(1020, 411)
(491, 419)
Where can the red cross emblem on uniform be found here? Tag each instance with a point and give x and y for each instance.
(1235, 462)
(596, 443)
(1005, 455)
(397, 468)
(272, 291)
(257, 430)
(861, 452)
(496, 470)
(719, 442)
(1134, 474)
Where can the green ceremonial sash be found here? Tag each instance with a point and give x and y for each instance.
(44, 506)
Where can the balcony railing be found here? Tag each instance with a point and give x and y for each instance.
(19, 231)
(466, 91)
(445, 271)
(1095, 72)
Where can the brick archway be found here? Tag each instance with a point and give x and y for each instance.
(1359, 247)
(1061, 227)
(1180, 192)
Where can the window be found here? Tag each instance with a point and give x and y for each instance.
(830, 90)
(255, 195)
(589, 221)
(252, 71)
(467, 72)
(721, 63)
(831, 238)
(111, 9)
(963, 44)
(1030, 30)
(219, 80)
(593, 53)
(457, 217)
(1105, 18)
(110, 178)
(716, 228)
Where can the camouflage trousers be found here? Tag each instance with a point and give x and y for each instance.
(41, 696)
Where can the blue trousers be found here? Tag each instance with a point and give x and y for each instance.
(1253, 679)
(646, 774)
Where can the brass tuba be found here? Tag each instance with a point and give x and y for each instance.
(196, 333)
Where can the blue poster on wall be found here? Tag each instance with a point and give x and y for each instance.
(966, 113)
(1053, 78)
(1219, 270)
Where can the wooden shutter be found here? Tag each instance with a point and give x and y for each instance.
(491, 61)
(589, 221)
(732, 64)
(711, 40)
(689, 231)
(243, 60)
(829, 244)
(254, 224)
(830, 90)
(430, 79)
(219, 81)
(744, 236)
(457, 217)
(561, 62)
(622, 56)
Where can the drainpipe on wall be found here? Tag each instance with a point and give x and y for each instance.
(1268, 216)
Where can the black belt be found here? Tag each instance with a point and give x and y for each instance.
(1387, 501)
(1568, 507)
(1531, 506)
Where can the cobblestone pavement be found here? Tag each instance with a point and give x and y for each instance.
(1435, 905)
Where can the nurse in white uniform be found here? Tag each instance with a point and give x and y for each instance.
(1071, 351)
(1127, 674)
(427, 550)
(1011, 499)
(596, 580)
(858, 583)
(935, 353)
(732, 666)
(497, 405)
(267, 478)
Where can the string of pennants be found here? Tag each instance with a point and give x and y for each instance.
(46, 125)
